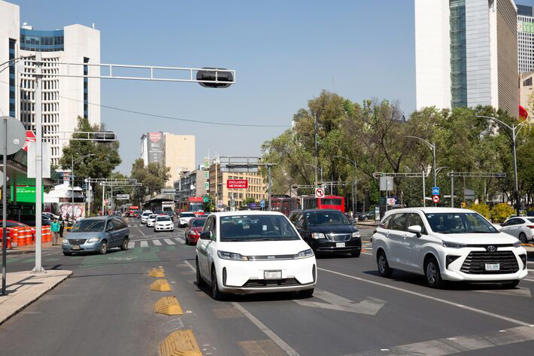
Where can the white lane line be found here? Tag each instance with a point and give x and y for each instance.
(131, 244)
(144, 243)
(271, 334)
(458, 305)
(528, 279)
(169, 241)
(156, 242)
(180, 240)
(141, 231)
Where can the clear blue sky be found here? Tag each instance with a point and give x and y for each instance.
(285, 53)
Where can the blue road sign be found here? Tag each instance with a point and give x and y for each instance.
(262, 203)
(435, 190)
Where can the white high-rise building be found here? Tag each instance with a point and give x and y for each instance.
(466, 54)
(64, 99)
(525, 38)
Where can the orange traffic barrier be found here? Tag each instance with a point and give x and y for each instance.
(8, 238)
(18, 236)
(46, 234)
(27, 231)
(13, 234)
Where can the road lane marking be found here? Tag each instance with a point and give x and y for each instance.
(131, 244)
(369, 306)
(144, 243)
(444, 301)
(141, 231)
(156, 242)
(271, 334)
(516, 292)
(180, 240)
(169, 241)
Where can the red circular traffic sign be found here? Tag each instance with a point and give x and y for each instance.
(435, 198)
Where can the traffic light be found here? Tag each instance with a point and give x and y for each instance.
(105, 136)
(215, 74)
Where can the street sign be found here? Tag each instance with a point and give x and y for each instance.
(319, 192)
(262, 203)
(206, 199)
(386, 183)
(237, 184)
(15, 137)
(435, 190)
(391, 201)
(435, 198)
(122, 197)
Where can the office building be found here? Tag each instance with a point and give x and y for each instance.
(525, 38)
(174, 151)
(192, 184)
(64, 99)
(466, 54)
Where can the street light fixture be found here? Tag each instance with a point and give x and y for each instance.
(432, 146)
(355, 187)
(72, 178)
(515, 130)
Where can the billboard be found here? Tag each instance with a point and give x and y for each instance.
(156, 147)
(237, 184)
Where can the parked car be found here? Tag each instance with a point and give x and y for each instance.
(193, 230)
(151, 220)
(184, 218)
(253, 252)
(145, 216)
(447, 244)
(163, 223)
(328, 231)
(521, 227)
(97, 234)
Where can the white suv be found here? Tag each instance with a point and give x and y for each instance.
(447, 244)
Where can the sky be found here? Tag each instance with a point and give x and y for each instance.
(284, 52)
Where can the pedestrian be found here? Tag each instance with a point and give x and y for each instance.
(61, 226)
(55, 227)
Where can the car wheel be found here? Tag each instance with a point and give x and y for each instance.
(215, 292)
(124, 245)
(200, 281)
(356, 253)
(103, 248)
(67, 253)
(511, 284)
(432, 273)
(308, 293)
(523, 238)
(383, 265)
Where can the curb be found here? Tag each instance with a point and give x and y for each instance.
(24, 252)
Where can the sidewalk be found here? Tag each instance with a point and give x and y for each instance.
(23, 288)
(29, 249)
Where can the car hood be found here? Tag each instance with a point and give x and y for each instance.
(332, 228)
(83, 235)
(479, 239)
(262, 248)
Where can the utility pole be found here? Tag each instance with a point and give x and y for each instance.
(432, 146)
(316, 151)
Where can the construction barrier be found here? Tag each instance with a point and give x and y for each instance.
(27, 235)
(8, 238)
(14, 236)
(46, 234)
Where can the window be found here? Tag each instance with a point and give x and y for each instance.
(398, 222)
(415, 219)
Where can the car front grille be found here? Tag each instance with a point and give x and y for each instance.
(476, 260)
(77, 241)
(266, 283)
(338, 237)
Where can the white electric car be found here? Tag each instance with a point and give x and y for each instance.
(254, 252)
(163, 223)
(447, 244)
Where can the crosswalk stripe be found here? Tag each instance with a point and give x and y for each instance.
(169, 241)
(180, 240)
(156, 242)
(131, 244)
(144, 243)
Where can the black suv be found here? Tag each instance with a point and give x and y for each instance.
(327, 231)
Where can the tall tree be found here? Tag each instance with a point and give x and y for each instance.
(153, 176)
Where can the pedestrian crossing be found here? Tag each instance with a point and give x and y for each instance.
(156, 242)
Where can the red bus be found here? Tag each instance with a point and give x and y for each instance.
(285, 205)
(335, 202)
(192, 204)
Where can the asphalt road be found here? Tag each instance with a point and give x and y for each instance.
(106, 308)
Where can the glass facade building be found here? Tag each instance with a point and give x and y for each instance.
(525, 38)
(42, 41)
(12, 81)
(85, 88)
(458, 53)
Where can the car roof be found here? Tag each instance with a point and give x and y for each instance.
(246, 212)
(429, 210)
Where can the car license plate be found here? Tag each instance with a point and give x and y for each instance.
(493, 266)
(272, 274)
(75, 247)
(340, 244)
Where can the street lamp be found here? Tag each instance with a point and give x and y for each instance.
(355, 187)
(515, 130)
(432, 146)
(72, 179)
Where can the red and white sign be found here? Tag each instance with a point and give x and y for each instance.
(435, 198)
(30, 137)
(195, 199)
(237, 184)
(319, 192)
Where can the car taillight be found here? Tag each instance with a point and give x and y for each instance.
(530, 226)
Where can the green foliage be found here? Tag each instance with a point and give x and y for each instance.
(500, 212)
(482, 209)
(153, 176)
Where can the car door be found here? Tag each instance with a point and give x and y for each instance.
(511, 227)
(120, 230)
(109, 233)
(396, 235)
(413, 245)
(202, 247)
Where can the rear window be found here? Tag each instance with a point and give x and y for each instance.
(330, 201)
(326, 218)
(531, 220)
(187, 215)
(198, 223)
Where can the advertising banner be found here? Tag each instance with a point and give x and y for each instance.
(237, 184)
(155, 147)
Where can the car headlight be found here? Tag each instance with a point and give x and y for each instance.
(231, 256)
(452, 244)
(356, 234)
(92, 240)
(304, 254)
(317, 235)
(517, 244)
(65, 242)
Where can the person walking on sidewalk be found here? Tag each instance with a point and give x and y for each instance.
(55, 227)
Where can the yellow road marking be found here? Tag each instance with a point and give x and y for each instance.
(160, 285)
(157, 272)
(168, 306)
(180, 342)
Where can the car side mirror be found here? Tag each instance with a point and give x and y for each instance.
(416, 229)
(205, 235)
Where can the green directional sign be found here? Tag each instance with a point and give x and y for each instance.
(206, 199)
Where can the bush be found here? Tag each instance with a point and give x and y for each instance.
(482, 209)
(501, 211)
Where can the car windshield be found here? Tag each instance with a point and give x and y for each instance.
(326, 218)
(88, 225)
(459, 223)
(256, 228)
(198, 222)
(163, 218)
(187, 215)
(152, 216)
